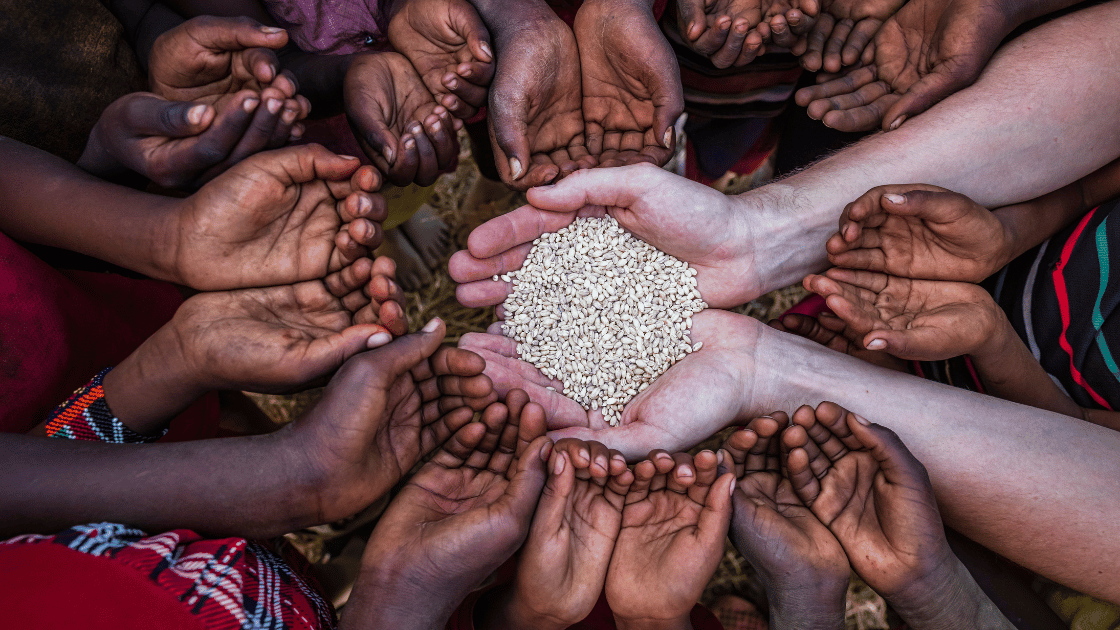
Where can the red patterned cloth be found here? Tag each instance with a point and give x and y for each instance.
(224, 584)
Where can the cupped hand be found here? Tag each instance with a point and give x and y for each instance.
(449, 46)
(279, 217)
(457, 519)
(923, 320)
(386, 299)
(698, 396)
(409, 137)
(802, 566)
(536, 104)
(922, 54)
(873, 494)
(570, 542)
(382, 412)
(841, 32)
(632, 92)
(673, 526)
(725, 31)
(832, 332)
(688, 220)
(920, 231)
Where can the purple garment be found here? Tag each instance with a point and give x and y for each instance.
(334, 27)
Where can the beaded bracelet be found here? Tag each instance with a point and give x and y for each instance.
(86, 416)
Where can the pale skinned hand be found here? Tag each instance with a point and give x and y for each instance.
(227, 63)
(632, 92)
(449, 46)
(920, 231)
(725, 31)
(570, 542)
(673, 526)
(279, 217)
(801, 564)
(924, 320)
(922, 54)
(695, 398)
(406, 134)
(456, 520)
(383, 411)
(536, 104)
(681, 218)
(860, 480)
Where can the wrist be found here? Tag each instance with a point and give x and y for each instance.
(97, 160)
(501, 608)
(817, 607)
(504, 19)
(946, 598)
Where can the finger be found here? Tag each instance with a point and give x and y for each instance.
(920, 343)
(459, 446)
(467, 84)
(752, 48)
(232, 34)
(858, 39)
(526, 483)
(599, 466)
(282, 132)
(713, 36)
(403, 354)
(814, 48)
(705, 468)
(151, 115)
(441, 135)
(261, 128)
(780, 32)
(928, 91)
(846, 84)
(554, 501)
(494, 419)
(872, 281)
(831, 57)
(449, 360)
(644, 474)
(683, 474)
(805, 483)
(819, 432)
(898, 464)
(508, 110)
(350, 278)
(715, 518)
(864, 117)
(621, 187)
(691, 19)
(762, 455)
(522, 226)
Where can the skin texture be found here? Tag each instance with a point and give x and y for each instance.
(456, 520)
(381, 412)
(673, 526)
(841, 30)
(447, 43)
(399, 127)
(535, 107)
(831, 332)
(722, 30)
(279, 217)
(860, 481)
(632, 91)
(802, 566)
(228, 63)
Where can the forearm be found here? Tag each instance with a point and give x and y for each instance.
(985, 142)
(503, 17)
(680, 623)
(51, 202)
(381, 600)
(1011, 477)
(230, 486)
(955, 601)
(144, 21)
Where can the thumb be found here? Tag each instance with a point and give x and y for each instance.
(623, 186)
(557, 490)
(927, 92)
(327, 354)
(151, 115)
(922, 343)
(233, 34)
(715, 518)
(468, 24)
(898, 464)
(691, 18)
(305, 163)
(508, 110)
(404, 353)
(938, 206)
(527, 482)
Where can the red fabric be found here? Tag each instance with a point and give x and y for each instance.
(752, 159)
(60, 328)
(50, 586)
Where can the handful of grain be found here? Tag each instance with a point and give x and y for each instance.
(601, 311)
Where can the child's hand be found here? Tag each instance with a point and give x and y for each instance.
(403, 131)
(673, 527)
(722, 30)
(841, 30)
(924, 320)
(449, 46)
(920, 231)
(176, 144)
(570, 542)
(456, 520)
(386, 299)
(801, 564)
(279, 217)
(832, 332)
(861, 482)
(226, 63)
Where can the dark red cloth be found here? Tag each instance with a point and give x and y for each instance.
(60, 328)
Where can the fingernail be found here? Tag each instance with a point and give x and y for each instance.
(601, 462)
(877, 344)
(415, 129)
(667, 138)
(897, 122)
(741, 27)
(486, 49)
(860, 419)
(452, 84)
(895, 199)
(558, 467)
(378, 340)
(297, 132)
(431, 326)
(583, 454)
(731, 490)
(271, 30)
(388, 153)
(436, 126)
(250, 104)
(194, 114)
(392, 285)
(347, 157)
(546, 451)
(619, 459)
(409, 142)
(719, 457)
(274, 105)
(684, 471)
(364, 205)
(288, 116)
(515, 168)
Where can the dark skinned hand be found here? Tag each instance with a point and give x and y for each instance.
(925, 52)
(279, 217)
(449, 46)
(673, 526)
(832, 332)
(383, 411)
(536, 104)
(456, 520)
(920, 231)
(632, 92)
(842, 30)
(923, 320)
(801, 564)
(406, 135)
(860, 480)
(725, 31)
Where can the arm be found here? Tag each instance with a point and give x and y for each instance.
(144, 21)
